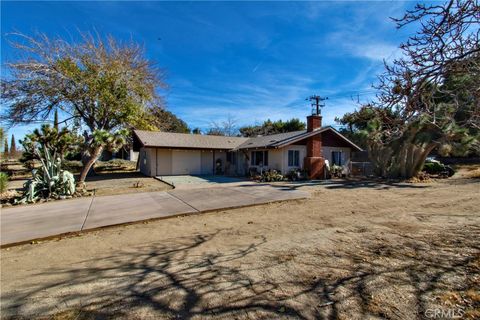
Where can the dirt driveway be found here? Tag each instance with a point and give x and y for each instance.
(352, 251)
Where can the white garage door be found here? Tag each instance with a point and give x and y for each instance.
(186, 162)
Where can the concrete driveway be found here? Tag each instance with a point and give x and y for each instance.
(202, 181)
(25, 223)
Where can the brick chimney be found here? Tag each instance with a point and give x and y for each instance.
(314, 122)
(314, 161)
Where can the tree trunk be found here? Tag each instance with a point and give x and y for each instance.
(89, 161)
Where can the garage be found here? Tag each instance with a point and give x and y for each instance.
(186, 162)
(181, 162)
(166, 153)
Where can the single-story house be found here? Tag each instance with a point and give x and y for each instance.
(163, 153)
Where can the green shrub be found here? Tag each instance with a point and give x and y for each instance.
(433, 167)
(3, 182)
(336, 171)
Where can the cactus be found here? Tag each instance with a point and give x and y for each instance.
(49, 181)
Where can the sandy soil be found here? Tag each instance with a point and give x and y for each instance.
(124, 182)
(353, 251)
(113, 183)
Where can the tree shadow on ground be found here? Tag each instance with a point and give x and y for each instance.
(185, 278)
(349, 183)
(371, 184)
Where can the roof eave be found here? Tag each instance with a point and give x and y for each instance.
(346, 139)
(305, 135)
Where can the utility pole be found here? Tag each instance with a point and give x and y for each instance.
(316, 103)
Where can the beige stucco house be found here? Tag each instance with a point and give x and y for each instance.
(163, 153)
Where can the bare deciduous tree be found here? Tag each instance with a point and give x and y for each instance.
(225, 128)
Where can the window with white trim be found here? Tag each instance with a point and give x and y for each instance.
(293, 158)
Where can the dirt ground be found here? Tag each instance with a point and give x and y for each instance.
(124, 182)
(354, 250)
(114, 183)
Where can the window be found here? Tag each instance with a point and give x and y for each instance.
(232, 157)
(293, 158)
(259, 158)
(337, 158)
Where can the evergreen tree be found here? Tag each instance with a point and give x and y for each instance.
(13, 147)
(272, 127)
(55, 119)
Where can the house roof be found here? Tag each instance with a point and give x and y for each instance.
(284, 139)
(197, 141)
(186, 140)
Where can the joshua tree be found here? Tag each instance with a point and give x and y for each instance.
(431, 97)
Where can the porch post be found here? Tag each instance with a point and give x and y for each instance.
(213, 172)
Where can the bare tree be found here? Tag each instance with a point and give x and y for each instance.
(227, 127)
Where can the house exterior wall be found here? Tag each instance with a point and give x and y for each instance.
(278, 159)
(242, 165)
(275, 160)
(222, 156)
(303, 153)
(207, 162)
(346, 153)
(147, 161)
(164, 162)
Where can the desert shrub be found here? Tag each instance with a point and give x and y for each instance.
(271, 176)
(433, 167)
(296, 174)
(115, 165)
(336, 171)
(72, 165)
(3, 182)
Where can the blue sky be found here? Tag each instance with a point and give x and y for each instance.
(249, 60)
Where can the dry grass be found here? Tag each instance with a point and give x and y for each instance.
(473, 174)
(469, 171)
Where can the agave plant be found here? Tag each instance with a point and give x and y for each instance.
(50, 180)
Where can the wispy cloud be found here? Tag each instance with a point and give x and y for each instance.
(252, 60)
(272, 97)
